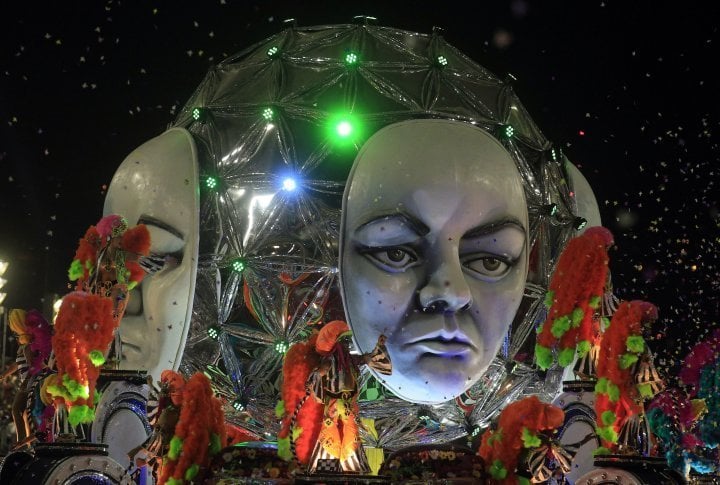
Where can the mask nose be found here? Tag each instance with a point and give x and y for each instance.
(446, 290)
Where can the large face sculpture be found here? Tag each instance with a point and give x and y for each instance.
(157, 185)
(433, 253)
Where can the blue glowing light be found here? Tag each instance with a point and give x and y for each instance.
(289, 184)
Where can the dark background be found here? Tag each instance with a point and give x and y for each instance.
(627, 88)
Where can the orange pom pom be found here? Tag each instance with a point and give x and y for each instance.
(329, 335)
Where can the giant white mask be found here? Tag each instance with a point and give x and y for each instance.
(157, 184)
(433, 253)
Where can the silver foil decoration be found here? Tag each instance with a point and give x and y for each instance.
(268, 254)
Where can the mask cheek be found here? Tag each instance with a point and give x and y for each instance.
(165, 304)
(493, 311)
(379, 304)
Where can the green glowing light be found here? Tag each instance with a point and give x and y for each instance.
(551, 209)
(281, 346)
(344, 128)
(351, 58)
(442, 61)
(272, 51)
(238, 405)
(268, 113)
(211, 182)
(238, 265)
(213, 333)
(508, 131)
(199, 114)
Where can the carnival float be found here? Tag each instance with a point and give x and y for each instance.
(353, 258)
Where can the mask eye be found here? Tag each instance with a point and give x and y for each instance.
(394, 259)
(488, 267)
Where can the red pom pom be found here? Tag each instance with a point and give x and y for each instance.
(600, 233)
(136, 240)
(107, 224)
(137, 273)
(88, 246)
(579, 277)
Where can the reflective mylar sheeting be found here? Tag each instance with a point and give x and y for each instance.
(400, 424)
(501, 387)
(272, 177)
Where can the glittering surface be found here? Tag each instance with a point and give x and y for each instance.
(626, 90)
(267, 268)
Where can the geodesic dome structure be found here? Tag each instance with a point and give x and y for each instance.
(278, 126)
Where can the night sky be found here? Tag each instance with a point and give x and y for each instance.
(626, 88)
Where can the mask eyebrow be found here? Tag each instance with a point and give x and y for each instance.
(493, 227)
(149, 220)
(400, 218)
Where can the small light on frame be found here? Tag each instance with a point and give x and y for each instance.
(551, 209)
(289, 184)
(281, 346)
(351, 59)
(211, 182)
(344, 128)
(199, 114)
(238, 265)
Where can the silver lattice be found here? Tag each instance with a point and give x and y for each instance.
(268, 255)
